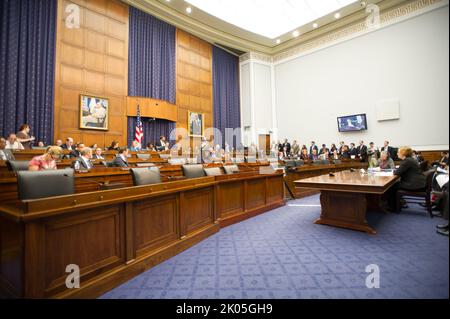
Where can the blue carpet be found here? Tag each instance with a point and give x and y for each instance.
(282, 254)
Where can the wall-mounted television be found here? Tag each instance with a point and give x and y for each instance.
(351, 123)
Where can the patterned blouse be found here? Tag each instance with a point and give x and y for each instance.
(42, 163)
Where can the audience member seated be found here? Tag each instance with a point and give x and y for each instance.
(121, 159)
(24, 138)
(12, 143)
(304, 154)
(59, 143)
(333, 148)
(345, 153)
(40, 144)
(68, 145)
(135, 146)
(443, 161)
(150, 147)
(417, 156)
(313, 156)
(98, 154)
(324, 156)
(47, 160)
(5, 154)
(411, 178)
(324, 150)
(114, 146)
(76, 152)
(385, 161)
(84, 160)
(335, 155)
(162, 144)
(341, 147)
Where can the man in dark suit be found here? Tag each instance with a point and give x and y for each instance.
(121, 159)
(76, 152)
(68, 145)
(361, 151)
(389, 149)
(287, 146)
(162, 145)
(98, 154)
(313, 147)
(352, 150)
(84, 160)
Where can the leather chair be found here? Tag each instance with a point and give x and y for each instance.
(230, 169)
(425, 194)
(145, 176)
(17, 165)
(143, 156)
(41, 184)
(423, 166)
(193, 171)
(213, 171)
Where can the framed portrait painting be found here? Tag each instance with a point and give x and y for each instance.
(196, 124)
(94, 112)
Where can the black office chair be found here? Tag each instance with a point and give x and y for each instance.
(193, 170)
(143, 156)
(15, 166)
(213, 171)
(41, 184)
(425, 194)
(230, 169)
(145, 176)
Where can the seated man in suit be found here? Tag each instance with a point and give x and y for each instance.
(5, 154)
(77, 151)
(121, 159)
(98, 154)
(345, 152)
(84, 160)
(313, 156)
(68, 145)
(162, 145)
(12, 143)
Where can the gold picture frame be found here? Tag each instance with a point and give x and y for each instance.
(196, 124)
(94, 112)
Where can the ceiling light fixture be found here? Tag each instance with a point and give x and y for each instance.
(315, 25)
(278, 41)
(337, 15)
(188, 9)
(296, 33)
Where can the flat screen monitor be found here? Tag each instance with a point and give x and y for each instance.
(350, 123)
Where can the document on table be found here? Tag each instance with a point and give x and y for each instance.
(442, 179)
(391, 173)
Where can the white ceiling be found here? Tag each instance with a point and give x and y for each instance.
(269, 18)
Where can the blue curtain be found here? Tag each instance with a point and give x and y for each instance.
(151, 59)
(27, 63)
(152, 129)
(227, 112)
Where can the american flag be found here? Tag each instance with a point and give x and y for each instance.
(139, 135)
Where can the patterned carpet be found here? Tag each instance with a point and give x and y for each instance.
(282, 254)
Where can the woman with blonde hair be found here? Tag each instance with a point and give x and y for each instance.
(47, 160)
(411, 178)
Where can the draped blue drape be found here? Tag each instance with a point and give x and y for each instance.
(151, 59)
(227, 112)
(152, 129)
(151, 69)
(27, 63)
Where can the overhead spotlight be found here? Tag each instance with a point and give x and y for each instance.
(188, 9)
(363, 4)
(278, 41)
(315, 25)
(296, 33)
(337, 15)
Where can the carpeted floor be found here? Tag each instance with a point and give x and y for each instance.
(282, 254)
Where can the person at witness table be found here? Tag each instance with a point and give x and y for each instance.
(352, 150)
(324, 150)
(313, 147)
(68, 145)
(84, 160)
(162, 145)
(313, 156)
(59, 143)
(121, 159)
(295, 148)
(77, 151)
(304, 154)
(345, 153)
(5, 155)
(98, 154)
(385, 161)
(47, 160)
(361, 151)
(114, 146)
(135, 146)
(411, 178)
(12, 143)
(341, 147)
(24, 138)
(150, 147)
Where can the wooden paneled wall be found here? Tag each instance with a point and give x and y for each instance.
(194, 78)
(93, 60)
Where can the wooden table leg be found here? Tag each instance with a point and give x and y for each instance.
(343, 209)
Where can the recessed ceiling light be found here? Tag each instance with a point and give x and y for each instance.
(295, 33)
(315, 25)
(188, 9)
(337, 15)
(278, 41)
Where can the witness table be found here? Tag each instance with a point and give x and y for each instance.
(344, 197)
